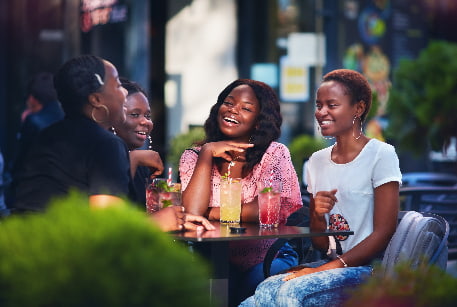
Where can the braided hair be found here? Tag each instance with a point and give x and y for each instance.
(76, 80)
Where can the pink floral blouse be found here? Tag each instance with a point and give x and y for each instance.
(276, 161)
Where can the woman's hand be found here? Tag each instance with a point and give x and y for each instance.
(222, 149)
(174, 218)
(148, 158)
(170, 218)
(197, 223)
(324, 201)
(297, 272)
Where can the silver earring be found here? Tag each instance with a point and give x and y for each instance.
(113, 130)
(353, 123)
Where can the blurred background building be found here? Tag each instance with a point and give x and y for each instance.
(184, 52)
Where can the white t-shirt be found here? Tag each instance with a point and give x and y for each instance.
(375, 165)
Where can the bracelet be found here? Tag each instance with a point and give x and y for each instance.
(342, 261)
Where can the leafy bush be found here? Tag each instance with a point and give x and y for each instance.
(301, 148)
(421, 287)
(74, 256)
(421, 105)
(181, 142)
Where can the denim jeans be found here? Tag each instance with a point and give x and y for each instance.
(326, 288)
(243, 284)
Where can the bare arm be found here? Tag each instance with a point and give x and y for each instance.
(386, 206)
(320, 205)
(197, 194)
(104, 201)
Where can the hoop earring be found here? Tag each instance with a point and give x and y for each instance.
(324, 137)
(104, 108)
(353, 123)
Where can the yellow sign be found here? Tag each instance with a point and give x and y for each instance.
(294, 86)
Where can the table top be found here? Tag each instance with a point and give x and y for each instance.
(223, 232)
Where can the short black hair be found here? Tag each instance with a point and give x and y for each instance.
(132, 87)
(356, 86)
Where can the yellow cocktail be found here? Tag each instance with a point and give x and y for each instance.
(230, 199)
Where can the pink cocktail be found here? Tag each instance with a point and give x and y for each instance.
(269, 206)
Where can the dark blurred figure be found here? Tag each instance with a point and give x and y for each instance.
(3, 210)
(43, 109)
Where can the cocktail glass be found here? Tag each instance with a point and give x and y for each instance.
(230, 200)
(160, 194)
(269, 203)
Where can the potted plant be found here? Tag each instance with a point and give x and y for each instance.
(421, 287)
(72, 255)
(422, 104)
(181, 142)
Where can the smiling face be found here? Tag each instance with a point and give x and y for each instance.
(138, 124)
(334, 111)
(113, 95)
(237, 116)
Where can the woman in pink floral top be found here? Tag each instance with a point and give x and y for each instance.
(242, 128)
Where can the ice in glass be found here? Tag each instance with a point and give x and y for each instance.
(230, 200)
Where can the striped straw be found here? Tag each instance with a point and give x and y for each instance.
(270, 180)
(228, 169)
(169, 176)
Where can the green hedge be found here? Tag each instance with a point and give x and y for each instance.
(76, 256)
(301, 148)
(181, 142)
(424, 286)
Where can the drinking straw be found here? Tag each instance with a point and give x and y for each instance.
(169, 176)
(270, 180)
(228, 169)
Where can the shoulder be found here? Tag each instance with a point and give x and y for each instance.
(321, 154)
(191, 151)
(381, 148)
(276, 147)
(189, 156)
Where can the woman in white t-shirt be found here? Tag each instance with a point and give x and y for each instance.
(354, 185)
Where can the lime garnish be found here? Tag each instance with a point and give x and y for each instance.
(166, 203)
(267, 189)
(164, 187)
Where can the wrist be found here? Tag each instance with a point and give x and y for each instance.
(342, 261)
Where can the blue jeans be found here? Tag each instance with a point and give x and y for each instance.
(326, 288)
(243, 284)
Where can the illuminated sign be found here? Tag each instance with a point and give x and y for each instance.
(100, 12)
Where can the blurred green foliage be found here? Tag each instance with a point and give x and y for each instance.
(181, 142)
(301, 148)
(424, 286)
(72, 255)
(422, 105)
